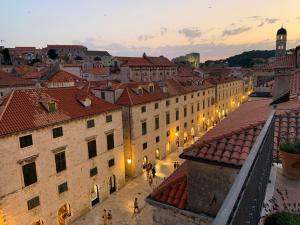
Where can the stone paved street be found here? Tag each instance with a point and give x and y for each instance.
(121, 202)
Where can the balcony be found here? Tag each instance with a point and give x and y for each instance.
(259, 179)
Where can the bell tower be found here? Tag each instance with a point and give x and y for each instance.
(281, 42)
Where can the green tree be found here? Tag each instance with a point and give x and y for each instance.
(52, 54)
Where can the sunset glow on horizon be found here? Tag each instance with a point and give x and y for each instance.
(214, 28)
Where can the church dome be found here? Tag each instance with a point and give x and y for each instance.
(281, 31)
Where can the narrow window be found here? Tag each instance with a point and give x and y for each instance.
(143, 109)
(177, 114)
(110, 141)
(92, 149)
(111, 162)
(93, 171)
(167, 118)
(157, 139)
(57, 132)
(144, 145)
(90, 123)
(156, 123)
(60, 161)
(29, 174)
(108, 118)
(62, 187)
(25, 141)
(144, 128)
(34, 202)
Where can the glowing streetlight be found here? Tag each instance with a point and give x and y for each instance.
(129, 161)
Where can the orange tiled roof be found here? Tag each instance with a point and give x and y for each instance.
(288, 61)
(98, 71)
(7, 79)
(221, 80)
(173, 190)
(33, 74)
(64, 76)
(145, 61)
(23, 110)
(229, 149)
(130, 97)
(229, 143)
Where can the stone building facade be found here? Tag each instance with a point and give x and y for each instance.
(144, 68)
(58, 162)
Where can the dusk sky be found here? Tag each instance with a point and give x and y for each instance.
(215, 28)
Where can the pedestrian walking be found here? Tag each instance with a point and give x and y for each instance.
(178, 165)
(148, 172)
(136, 206)
(109, 218)
(104, 217)
(150, 181)
(153, 172)
(175, 165)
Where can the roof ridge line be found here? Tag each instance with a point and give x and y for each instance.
(237, 131)
(131, 102)
(7, 103)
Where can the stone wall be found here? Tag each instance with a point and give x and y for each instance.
(208, 186)
(13, 193)
(172, 216)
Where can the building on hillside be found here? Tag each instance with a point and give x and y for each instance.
(97, 59)
(62, 153)
(191, 59)
(214, 173)
(9, 82)
(69, 52)
(25, 55)
(144, 68)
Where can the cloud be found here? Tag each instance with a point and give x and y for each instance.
(255, 17)
(235, 31)
(145, 37)
(261, 24)
(163, 31)
(190, 34)
(271, 20)
(210, 50)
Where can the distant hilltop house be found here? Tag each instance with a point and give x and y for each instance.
(192, 59)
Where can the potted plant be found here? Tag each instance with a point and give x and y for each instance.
(282, 211)
(290, 155)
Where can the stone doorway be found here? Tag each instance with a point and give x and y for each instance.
(95, 195)
(63, 213)
(112, 184)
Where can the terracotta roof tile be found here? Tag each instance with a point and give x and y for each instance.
(173, 190)
(98, 71)
(23, 109)
(131, 97)
(11, 80)
(64, 76)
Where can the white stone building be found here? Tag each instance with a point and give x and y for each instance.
(62, 153)
(144, 68)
